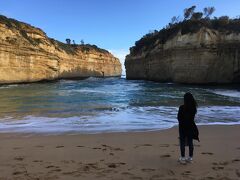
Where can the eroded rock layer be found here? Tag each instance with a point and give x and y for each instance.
(28, 55)
(206, 56)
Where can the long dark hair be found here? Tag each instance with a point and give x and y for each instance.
(190, 105)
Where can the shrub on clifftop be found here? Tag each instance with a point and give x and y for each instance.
(192, 23)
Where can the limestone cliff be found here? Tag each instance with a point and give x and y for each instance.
(206, 55)
(28, 55)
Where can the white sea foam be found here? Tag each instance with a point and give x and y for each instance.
(9, 86)
(126, 119)
(230, 93)
(108, 105)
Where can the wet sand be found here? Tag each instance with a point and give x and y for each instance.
(137, 156)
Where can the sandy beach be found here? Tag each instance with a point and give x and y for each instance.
(138, 155)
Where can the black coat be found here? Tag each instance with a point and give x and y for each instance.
(187, 126)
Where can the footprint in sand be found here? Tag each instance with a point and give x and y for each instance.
(96, 148)
(146, 145)
(79, 146)
(115, 165)
(19, 158)
(53, 168)
(186, 173)
(93, 166)
(106, 147)
(238, 173)
(170, 172)
(112, 165)
(165, 156)
(49, 166)
(59, 146)
(37, 161)
(220, 165)
(117, 149)
(89, 167)
(235, 160)
(142, 145)
(164, 145)
(16, 148)
(207, 153)
(148, 170)
(224, 163)
(18, 173)
(207, 178)
(56, 170)
(216, 168)
(195, 145)
(86, 168)
(122, 163)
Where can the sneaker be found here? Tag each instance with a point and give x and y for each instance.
(182, 160)
(189, 159)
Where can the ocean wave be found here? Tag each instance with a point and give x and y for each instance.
(120, 119)
(87, 90)
(99, 105)
(229, 93)
(93, 79)
(220, 123)
(10, 86)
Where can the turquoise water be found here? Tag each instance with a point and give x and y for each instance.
(110, 105)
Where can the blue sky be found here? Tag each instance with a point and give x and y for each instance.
(110, 24)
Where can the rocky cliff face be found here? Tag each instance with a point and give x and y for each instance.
(28, 55)
(206, 56)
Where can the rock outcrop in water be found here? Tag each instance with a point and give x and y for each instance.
(193, 51)
(28, 55)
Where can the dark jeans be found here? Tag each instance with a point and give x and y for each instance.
(182, 145)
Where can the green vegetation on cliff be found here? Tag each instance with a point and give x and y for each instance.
(12, 23)
(25, 28)
(72, 48)
(192, 23)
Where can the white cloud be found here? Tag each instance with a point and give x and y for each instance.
(120, 54)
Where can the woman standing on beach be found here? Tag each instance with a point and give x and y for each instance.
(187, 127)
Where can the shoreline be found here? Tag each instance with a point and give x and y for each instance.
(78, 133)
(131, 155)
(45, 81)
